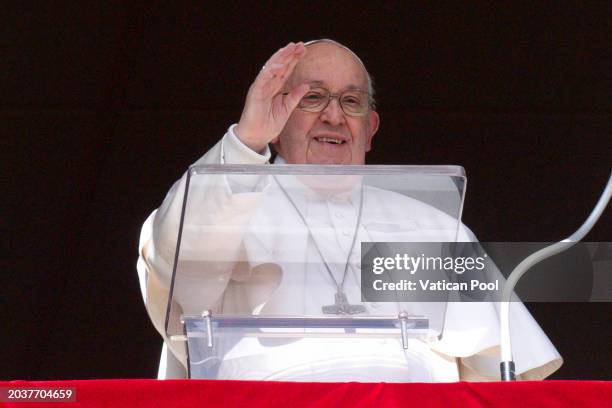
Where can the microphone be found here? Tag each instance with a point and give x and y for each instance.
(507, 365)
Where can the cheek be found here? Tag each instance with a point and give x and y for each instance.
(297, 128)
(291, 137)
(294, 139)
(360, 134)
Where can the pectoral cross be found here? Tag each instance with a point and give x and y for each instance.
(343, 307)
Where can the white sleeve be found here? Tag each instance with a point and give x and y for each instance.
(236, 152)
(218, 205)
(471, 334)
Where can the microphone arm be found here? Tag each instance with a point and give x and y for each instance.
(507, 365)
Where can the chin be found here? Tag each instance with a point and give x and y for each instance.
(327, 160)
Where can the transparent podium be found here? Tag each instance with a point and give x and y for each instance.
(268, 278)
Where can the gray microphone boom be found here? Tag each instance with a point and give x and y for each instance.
(507, 365)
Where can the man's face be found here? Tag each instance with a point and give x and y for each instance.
(331, 67)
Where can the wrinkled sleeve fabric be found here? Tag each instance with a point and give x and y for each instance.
(472, 336)
(157, 244)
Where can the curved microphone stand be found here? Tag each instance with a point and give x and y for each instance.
(507, 365)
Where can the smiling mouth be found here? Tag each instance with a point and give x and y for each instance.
(330, 140)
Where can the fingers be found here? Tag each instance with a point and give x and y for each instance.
(290, 65)
(266, 109)
(272, 70)
(282, 63)
(293, 98)
(282, 53)
(278, 68)
(286, 53)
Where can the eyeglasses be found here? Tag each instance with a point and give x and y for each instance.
(353, 102)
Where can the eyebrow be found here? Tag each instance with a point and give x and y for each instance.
(348, 88)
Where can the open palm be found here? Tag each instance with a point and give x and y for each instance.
(266, 109)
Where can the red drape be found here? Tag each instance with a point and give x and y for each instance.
(186, 393)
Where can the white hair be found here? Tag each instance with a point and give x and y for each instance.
(370, 82)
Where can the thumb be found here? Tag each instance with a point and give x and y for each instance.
(293, 98)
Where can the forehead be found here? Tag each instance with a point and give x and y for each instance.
(331, 66)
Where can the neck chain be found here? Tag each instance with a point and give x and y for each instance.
(341, 304)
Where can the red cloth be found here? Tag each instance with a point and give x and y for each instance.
(186, 393)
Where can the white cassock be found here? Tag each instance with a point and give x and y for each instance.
(468, 349)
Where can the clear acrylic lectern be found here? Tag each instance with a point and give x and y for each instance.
(267, 273)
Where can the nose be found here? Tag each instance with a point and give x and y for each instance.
(333, 113)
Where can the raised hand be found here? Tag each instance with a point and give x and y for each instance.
(266, 109)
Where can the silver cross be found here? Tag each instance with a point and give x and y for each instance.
(342, 306)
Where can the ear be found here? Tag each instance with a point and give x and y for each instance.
(373, 122)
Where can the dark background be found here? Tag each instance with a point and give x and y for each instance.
(104, 104)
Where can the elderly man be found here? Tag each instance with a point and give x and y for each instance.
(319, 132)
(314, 103)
